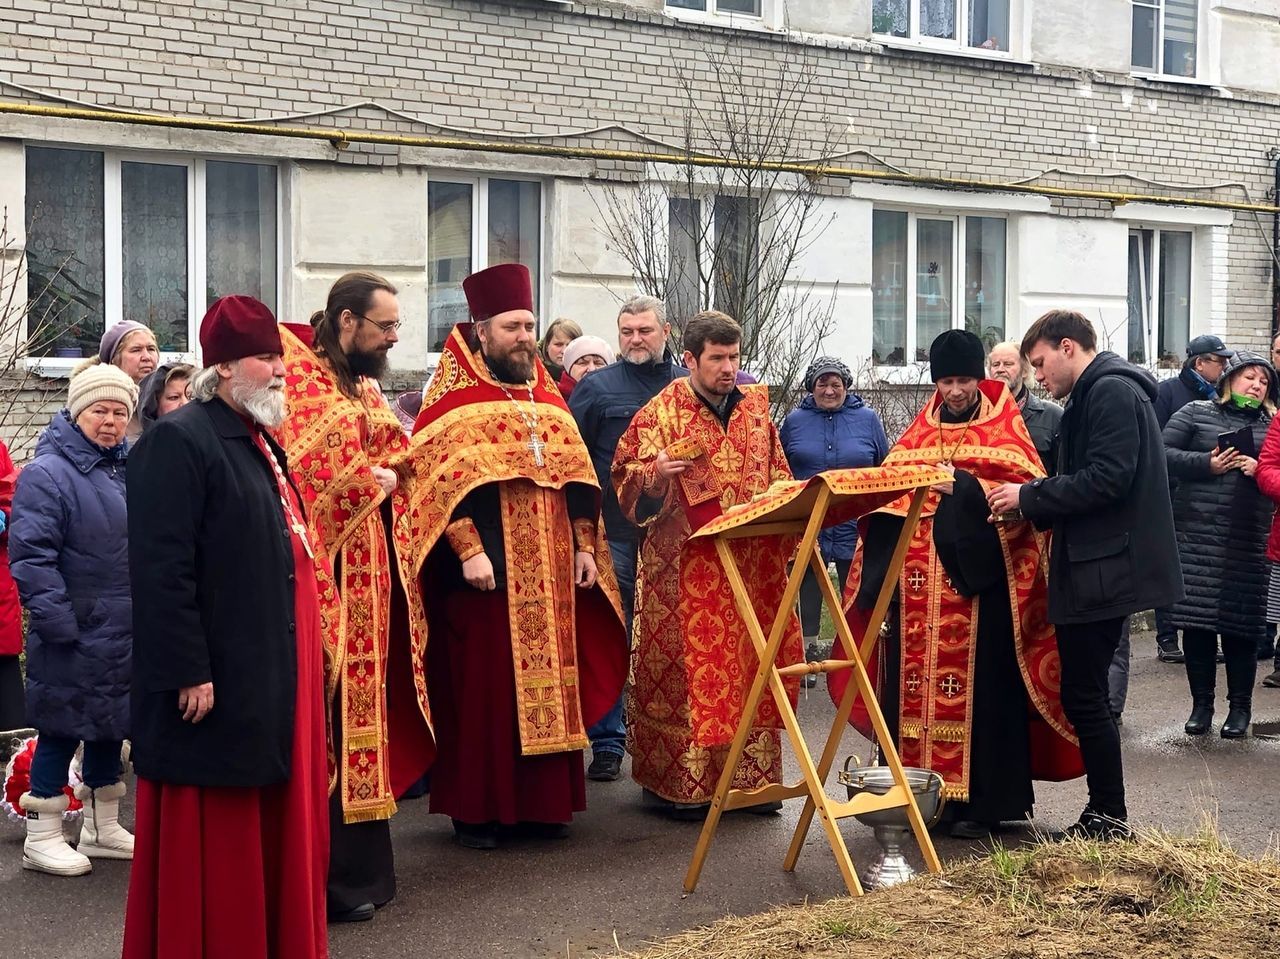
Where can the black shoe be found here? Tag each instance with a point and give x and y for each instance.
(1167, 651)
(476, 835)
(682, 812)
(1200, 720)
(1272, 679)
(1094, 826)
(1267, 652)
(1221, 657)
(605, 767)
(539, 830)
(1237, 724)
(361, 913)
(972, 829)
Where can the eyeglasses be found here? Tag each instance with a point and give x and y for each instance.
(386, 327)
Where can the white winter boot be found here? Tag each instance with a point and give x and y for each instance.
(45, 850)
(101, 835)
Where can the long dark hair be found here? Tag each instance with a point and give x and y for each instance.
(352, 291)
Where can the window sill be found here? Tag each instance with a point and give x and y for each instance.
(1180, 82)
(730, 21)
(956, 52)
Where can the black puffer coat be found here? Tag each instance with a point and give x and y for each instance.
(1221, 524)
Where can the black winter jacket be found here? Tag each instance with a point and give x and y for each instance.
(213, 584)
(1222, 524)
(603, 405)
(1043, 419)
(1113, 550)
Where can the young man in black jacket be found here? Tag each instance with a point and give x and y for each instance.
(1113, 550)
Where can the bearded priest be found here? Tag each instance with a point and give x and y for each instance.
(228, 689)
(527, 645)
(348, 453)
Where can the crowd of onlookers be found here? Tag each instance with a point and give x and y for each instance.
(63, 534)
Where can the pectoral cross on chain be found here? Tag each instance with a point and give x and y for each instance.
(536, 446)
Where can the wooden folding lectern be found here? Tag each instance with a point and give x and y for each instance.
(785, 510)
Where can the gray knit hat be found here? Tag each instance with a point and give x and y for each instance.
(100, 381)
(1242, 358)
(821, 367)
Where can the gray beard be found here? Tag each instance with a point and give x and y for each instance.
(264, 404)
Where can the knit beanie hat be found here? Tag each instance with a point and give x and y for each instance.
(586, 346)
(112, 337)
(100, 381)
(957, 353)
(824, 365)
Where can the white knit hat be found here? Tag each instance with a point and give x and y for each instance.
(586, 346)
(100, 381)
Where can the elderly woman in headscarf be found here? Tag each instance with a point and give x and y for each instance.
(131, 347)
(1222, 519)
(162, 392)
(831, 429)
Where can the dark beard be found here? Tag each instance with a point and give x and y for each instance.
(372, 364)
(505, 371)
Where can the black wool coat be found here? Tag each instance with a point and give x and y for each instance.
(213, 601)
(1222, 524)
(1113, 550)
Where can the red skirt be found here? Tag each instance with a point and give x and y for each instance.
(239, 873)
(479, 775)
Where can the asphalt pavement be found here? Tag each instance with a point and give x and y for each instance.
(616, 881)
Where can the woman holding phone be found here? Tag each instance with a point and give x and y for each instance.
(1222, 520)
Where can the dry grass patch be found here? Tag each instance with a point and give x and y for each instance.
(1162, 897)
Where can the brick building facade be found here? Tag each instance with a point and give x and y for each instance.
(152, 221)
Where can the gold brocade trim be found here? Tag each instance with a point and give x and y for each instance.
(464, 538)
(540, 607)
(584, 535)
(950, 733)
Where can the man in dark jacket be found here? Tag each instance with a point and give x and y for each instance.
(1006, 363)
(232, 791)
(1109, 510)
(1206, 358)
(603, 404)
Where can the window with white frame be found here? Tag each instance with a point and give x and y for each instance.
(473, 224)
(1159, 296)
(1165, 36)
(975, 24)
(931, 273)
(155, 239)
(749, 8)
(712, 256)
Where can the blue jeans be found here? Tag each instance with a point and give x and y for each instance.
(53, 757)
(609, 735)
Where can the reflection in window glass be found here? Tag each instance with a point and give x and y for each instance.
(1175, 296)
(989, 24)
(984, 278)
(684, 279)
(750, 7)
(448, 258)
(938, 19)
(892, 17)
(735, 269)
(240, 220)
(933, 282)
(65, 252)
(888, 288)
(515, 220)
(1144, 35)
(1139, 294)
(153, 226)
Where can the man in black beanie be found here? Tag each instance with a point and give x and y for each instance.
(963, 691)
